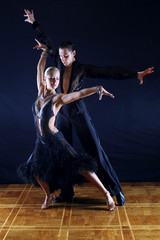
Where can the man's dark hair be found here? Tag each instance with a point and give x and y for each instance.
(67, 44)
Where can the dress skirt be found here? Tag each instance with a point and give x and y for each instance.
(55, 162)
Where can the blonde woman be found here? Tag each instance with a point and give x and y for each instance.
(54, 163)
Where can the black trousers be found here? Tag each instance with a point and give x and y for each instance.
(79, 131)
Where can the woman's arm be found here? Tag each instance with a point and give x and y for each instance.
(68, 98)
(41, 66)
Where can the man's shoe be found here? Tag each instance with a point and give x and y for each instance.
(61, 199)
(120, 199)
(66, 195)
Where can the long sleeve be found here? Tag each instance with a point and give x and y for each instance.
(45, 39)
(109, 72)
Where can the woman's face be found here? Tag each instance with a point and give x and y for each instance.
(52, 79)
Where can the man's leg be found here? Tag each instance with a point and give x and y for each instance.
(64, 125)
(90, 143)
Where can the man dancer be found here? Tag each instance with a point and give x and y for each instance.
(74, 120)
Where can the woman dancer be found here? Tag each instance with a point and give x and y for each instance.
(54, 163)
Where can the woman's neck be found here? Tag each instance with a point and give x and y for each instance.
(48, 92)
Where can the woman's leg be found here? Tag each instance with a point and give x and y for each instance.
(49, 197)
(93, 178)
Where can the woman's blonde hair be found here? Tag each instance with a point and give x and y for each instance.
(49, 70)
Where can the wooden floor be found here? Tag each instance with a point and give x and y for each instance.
(87, 218)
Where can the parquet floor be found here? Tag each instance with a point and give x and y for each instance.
(87, 218)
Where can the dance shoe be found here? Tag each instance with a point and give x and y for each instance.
(62, 199)
(47, 201)
(66, 195)
(120, 199)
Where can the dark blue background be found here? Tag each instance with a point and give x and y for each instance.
(107, 33)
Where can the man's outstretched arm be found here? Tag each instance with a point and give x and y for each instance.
(115, 73)
(42, 35)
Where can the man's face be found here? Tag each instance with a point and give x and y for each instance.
(67, 57)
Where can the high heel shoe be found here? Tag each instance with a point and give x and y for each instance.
(111, 205)
(47, 201)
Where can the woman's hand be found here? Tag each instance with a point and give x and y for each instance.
(144, 73)
(40, 46)
(103, 91)
(30, 16)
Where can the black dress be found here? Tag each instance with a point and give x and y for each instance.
(53, 159)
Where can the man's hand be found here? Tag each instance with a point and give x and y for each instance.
(40, 46)
(144, 73)
(30, 16)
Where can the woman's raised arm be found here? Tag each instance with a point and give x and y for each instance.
(41, 66)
